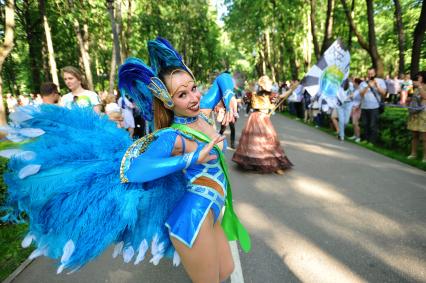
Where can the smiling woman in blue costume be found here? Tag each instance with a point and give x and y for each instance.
(166, 193)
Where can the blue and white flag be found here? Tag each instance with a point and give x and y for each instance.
(325, 78)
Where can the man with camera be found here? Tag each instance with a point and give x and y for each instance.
(372, 92)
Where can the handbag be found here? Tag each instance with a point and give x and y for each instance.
(415, 106)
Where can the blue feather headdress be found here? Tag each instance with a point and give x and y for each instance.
(140, 82)
(162, 55)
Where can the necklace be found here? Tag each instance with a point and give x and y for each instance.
(184, 120)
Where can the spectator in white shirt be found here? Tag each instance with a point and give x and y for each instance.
(79, 95)
(371, 91)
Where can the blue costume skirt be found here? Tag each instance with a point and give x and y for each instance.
(185, 221)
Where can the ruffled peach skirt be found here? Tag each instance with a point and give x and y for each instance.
(259, 148)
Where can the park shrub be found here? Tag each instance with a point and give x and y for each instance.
(3, 162)
(393, 132)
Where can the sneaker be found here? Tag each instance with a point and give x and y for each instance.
(316, 126)
(352, 138)
(411, 156)
(357, 140)
(341, 139)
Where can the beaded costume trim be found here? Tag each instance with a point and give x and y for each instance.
(136, 149)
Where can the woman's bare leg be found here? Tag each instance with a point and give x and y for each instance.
(201, 262)
(335, 124)
(226, 262)
(414, 143)
(210, 258)
(404, 95)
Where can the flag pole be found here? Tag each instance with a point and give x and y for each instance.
(284, 96)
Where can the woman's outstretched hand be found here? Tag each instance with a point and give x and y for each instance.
(230, 115)
(205, 155)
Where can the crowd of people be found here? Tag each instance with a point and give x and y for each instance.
(118, 108)
(360, 101)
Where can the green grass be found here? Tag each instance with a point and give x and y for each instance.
(387, 152)
(11, 235)
(12, 254)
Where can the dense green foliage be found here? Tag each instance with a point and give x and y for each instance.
(288, 25)
(255, 36)
(189, 25)
(394, 134)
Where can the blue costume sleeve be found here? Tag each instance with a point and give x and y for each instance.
(211, 98)
(222, 88)
(226, 86)
(157, 161)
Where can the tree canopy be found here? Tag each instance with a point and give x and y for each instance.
(280, 38)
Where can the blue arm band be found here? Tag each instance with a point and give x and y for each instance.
(157, 161)
(211, 98)
(226, 86)
(148, 168)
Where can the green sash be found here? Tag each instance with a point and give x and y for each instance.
(231, 225)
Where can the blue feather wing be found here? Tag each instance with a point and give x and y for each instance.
(76, 203)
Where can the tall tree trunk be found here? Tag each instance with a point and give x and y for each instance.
(45, 62)
(377, 61)
(119, 26)
(128, 31)
(5, 49)
(30, 25)
(361, 40)
(112, 71)
(350, 27)
(83, 43)
(116, 49)
(52, 61)
(262, 62)
(9, 74)
(291, 53)
(313, 29)
(369, 46)
(401, 36)
(282, 57)
(418, 35)
(328, 28)
(269, 55)
(307, 43)
(115, 25)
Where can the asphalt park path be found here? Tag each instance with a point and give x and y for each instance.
(342, 214)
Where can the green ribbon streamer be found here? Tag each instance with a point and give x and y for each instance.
(231, 225)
